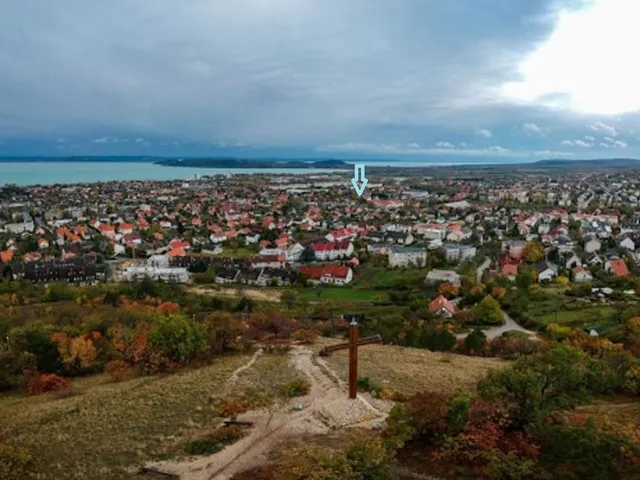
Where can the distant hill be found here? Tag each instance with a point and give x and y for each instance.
(596, 164)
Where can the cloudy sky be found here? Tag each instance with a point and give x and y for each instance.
(481, 80)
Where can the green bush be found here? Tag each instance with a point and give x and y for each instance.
(576, 452)
(365, 384)
(296, 388)
(216, 441)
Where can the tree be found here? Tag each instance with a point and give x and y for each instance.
(475, 341)
(632, 335)
(289, 298)
(488, 312)
(533, 252)
(448, 290)
(178, 337)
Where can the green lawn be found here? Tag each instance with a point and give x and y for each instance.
(238, 253)
(384, 278)
(587, 316)
(340, 294)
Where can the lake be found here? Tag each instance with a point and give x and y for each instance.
(46, 173)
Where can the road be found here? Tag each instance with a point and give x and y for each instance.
(494, 332)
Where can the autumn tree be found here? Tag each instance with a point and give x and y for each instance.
(533, 252)
(448, 290)
(178, 337)
(632, 335)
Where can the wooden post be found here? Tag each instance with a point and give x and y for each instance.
(353, 359)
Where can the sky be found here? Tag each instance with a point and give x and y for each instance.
(476, 80)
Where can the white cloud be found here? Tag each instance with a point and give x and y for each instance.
(576, 143)
(404, 149)
(604, 128)
(589, 138)
(139, 140)
(560, 72)
(445, 145)
(532, 129)
(605, 145)
(620, 144)
(483, 132)
(102, 140)
(463, 145)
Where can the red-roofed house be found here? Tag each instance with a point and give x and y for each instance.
(332, 250)
(510, 271)
(617, 267)
(442, 306)
(125, 228)
(269, 261)
(581, 275)
(6, 256)
(332, 274)
(43, 243)
(340, 235)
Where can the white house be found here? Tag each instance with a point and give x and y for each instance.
(592, 244)
(435, 276)
(581, 275)
(406, 256)
(547, 271)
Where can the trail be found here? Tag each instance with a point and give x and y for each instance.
(324, 408)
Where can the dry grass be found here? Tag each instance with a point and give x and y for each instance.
(409, 370)
(110, 427)
(621, 410)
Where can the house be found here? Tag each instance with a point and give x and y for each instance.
(546, 270)
(510, 271)
(437, 276)
(430, 231)
(441, 306)
(400, 238)
(616, 267)
(581, 275)
(458, 253)
(514, 248)
(406, 256)
(341, 235)
(269, 261)
(43, 243)
(330, 274)
(625, 242)
(332, 250)
(227, 275)
(572, 262)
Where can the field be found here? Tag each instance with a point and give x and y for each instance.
(109, 427)
(556, 308)
(340, 294)
(410, 370)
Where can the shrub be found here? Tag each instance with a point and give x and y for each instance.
(215, 441)
(13, 366)
(296, 388)
(365, 384)
(118, 370)
(583, 451)
(13, 461)
(231, 408)
(488, 312)
(43, 383)
(475, 342)
(306, 336)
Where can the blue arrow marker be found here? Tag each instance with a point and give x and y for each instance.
(359, 180)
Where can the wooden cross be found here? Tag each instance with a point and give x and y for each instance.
(353, 345)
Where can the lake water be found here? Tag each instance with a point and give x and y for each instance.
(46, 173)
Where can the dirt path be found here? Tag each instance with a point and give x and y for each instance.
(251, 293)
(324, 408)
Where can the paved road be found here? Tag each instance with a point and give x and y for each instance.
(482, 268)
(494, 332)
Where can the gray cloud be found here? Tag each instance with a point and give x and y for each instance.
(253, 71)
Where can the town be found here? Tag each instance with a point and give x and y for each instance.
(231, 296)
